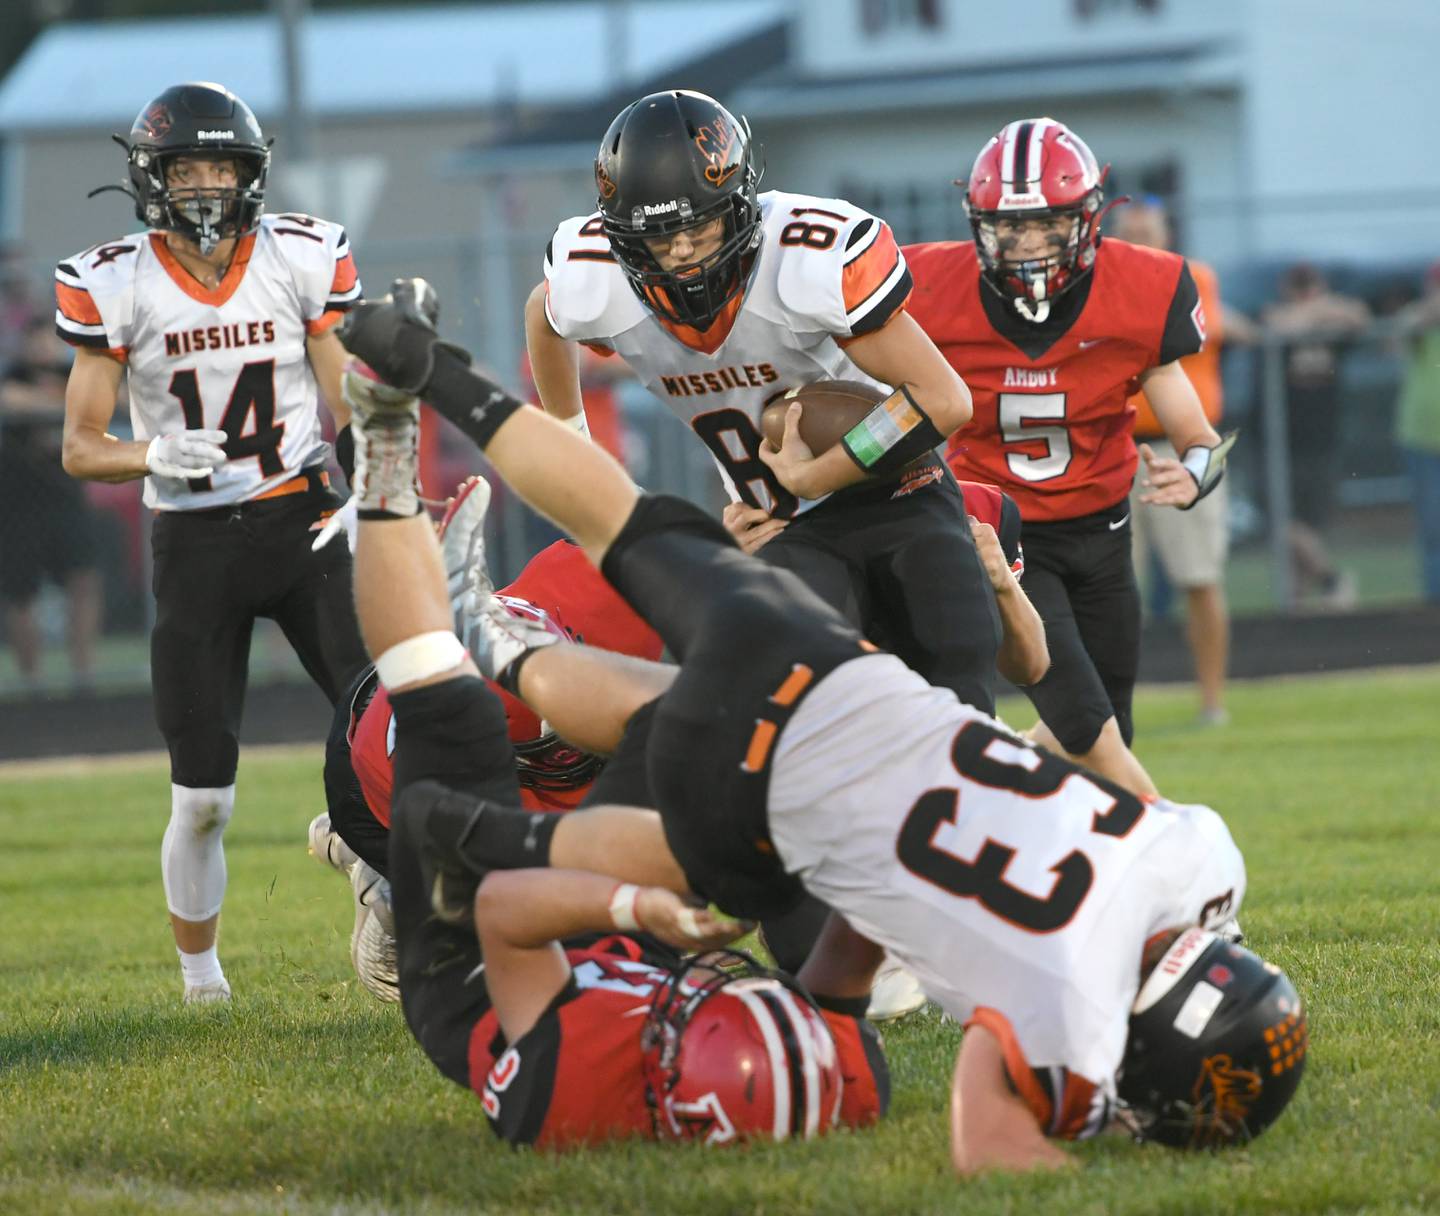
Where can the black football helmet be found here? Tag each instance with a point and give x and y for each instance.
(1217, 1046)
(198, 119)
(668, 162)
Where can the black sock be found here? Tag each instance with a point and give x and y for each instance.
(474, 403)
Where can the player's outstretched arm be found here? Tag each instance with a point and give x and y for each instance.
(991, 1128)
(1171, 483)
(520, 915)
(1024, 655)
(554, 363)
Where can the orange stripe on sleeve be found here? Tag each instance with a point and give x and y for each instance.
(862, 276)
(1016, 1066)
(345, 275)
(76, 304)
(323, 322)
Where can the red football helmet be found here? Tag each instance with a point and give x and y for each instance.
(543, 760)
(1035, 168)
(741, 1053)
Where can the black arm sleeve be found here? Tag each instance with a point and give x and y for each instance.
(345, 453)
(1184, 333)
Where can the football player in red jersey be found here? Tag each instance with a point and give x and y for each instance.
(788, 755)
(1054, 330)
(566, 1040)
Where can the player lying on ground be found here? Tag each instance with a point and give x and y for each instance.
(1061, 919)
(353, 836)
(558, 589)
(549, 1034)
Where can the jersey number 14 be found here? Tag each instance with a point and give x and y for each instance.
(254, 392)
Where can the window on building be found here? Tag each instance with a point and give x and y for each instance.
(892, 16)
(1086, 9)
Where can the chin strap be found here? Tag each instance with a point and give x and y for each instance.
(1207, 465)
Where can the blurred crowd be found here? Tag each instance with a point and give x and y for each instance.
(1361, 384)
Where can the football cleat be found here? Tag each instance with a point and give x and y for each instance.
(896, 992)
(462, 540)
(214, 993)
(327, 847)
(386, 427)
(372, 940)
(499, 629)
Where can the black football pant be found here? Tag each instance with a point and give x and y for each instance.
(903, 571)
(750, 640)
(216, 571)
(1081, 579)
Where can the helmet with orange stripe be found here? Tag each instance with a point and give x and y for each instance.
(734, 1051)
(677, 182)
(1217, 1045)
(1035, 198)
(188, 122)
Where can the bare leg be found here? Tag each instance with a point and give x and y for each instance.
(195, 936)
(1208, 627)
(588, 695)
(24, 636)
(624, 842)
(85, 594)
(1109, 757)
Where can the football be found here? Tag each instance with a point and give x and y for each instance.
(832, 407)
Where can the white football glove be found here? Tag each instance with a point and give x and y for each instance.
(186, 454)
(344, 520)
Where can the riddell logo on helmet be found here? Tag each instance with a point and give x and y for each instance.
(1016, 202)
(662, 208)
(214, 134)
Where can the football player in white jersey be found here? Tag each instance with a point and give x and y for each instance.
(721, 299)
(1064, 921)
(221, 321)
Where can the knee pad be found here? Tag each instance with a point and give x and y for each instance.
(192, 859)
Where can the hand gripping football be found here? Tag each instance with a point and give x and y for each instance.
(831, 409)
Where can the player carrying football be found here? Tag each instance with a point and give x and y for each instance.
(1053, 330)
(220, 318)
(1062, 919)
(550, 992)
(720, 299)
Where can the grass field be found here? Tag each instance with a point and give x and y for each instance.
(305, 1096)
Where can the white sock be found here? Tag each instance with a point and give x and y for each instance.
(202, 968)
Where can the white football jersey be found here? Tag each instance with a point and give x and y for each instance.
(1020, 891)
(231, 359)
(825, 271)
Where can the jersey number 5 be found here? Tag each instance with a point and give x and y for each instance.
(990, 758)
(1016, 412)
(254, 391)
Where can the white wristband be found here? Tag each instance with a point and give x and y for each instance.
(622, 907)
(577, 422)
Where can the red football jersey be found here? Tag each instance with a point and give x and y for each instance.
(577, 1076)
(1052, 426)
(561, 581)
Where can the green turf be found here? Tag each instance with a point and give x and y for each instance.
(307, 1097)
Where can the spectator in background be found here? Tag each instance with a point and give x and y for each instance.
(49, 527)
(1190, 546)
(1417, 428)
(1314, 320)
(17, 304)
